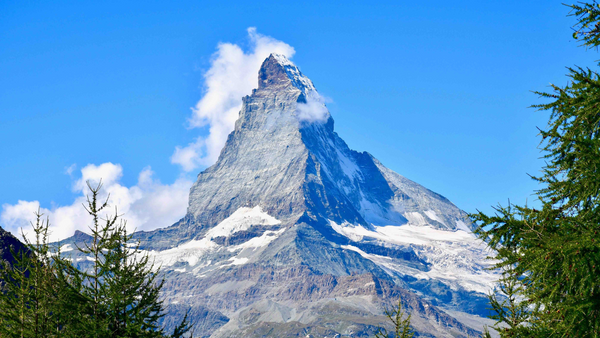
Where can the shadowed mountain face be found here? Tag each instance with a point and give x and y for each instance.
(9, 244)
(291, 234)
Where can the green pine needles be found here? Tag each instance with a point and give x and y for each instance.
(28, 294)
(400, 321)
(550, 257)
(588, 23)
(44, 295)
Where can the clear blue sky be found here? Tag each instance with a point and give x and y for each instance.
(437, 90)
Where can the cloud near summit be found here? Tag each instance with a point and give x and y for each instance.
(149, 204)
(233, 73)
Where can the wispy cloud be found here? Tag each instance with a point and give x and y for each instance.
(189, 157)
(147, 205)
(232, 75)
(314, 110)
(69, 170)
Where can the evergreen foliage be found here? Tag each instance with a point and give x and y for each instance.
(28, 298)
(550, 257)
(401, 325)
(45, 295)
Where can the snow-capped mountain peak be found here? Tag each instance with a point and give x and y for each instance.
(298, 79)
(291, 231)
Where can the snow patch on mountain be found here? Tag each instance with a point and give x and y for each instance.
(348, 230)
(462, 226)
(351, 170)
(372, 212)
(415, 218)
(66, 248)
(242, 219)
(456, 257)
(195, 251)
(189, 252)
(258, 242)
(238, 261)
(432, 215)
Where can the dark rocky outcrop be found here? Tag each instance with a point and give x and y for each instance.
(9, 244)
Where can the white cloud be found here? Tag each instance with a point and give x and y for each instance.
(17, 216)
(314, 110)
(147, 205)
(107, 172)
(189, 158)
(232, 75)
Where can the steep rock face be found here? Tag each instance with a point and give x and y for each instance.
(264, 160)
(291, 233)
(293, 168)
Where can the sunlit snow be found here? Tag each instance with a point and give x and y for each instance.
(194, 251)
(456, 257)
(66, 247)
(242, 219)
(432, 215)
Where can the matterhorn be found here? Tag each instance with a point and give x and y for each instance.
(292, 234)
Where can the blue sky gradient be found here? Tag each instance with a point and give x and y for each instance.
(438, 90)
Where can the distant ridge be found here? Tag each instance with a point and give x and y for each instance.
(8, 245)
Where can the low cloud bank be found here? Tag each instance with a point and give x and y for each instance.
(146, 206)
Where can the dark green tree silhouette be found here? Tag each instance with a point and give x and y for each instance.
(25, 304)
(31, 299)
(42, 294)
(121, 289)
(551, 257)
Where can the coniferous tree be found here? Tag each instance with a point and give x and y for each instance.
(400, 321)
(15, 295)
(30, 297)
(43, 301)
(511, 312)
(551, 256)
(121, 288)
(42, 294)
(133, 301)
(90, 283)
(15, 286)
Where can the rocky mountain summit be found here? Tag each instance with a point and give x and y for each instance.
(292, 234)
